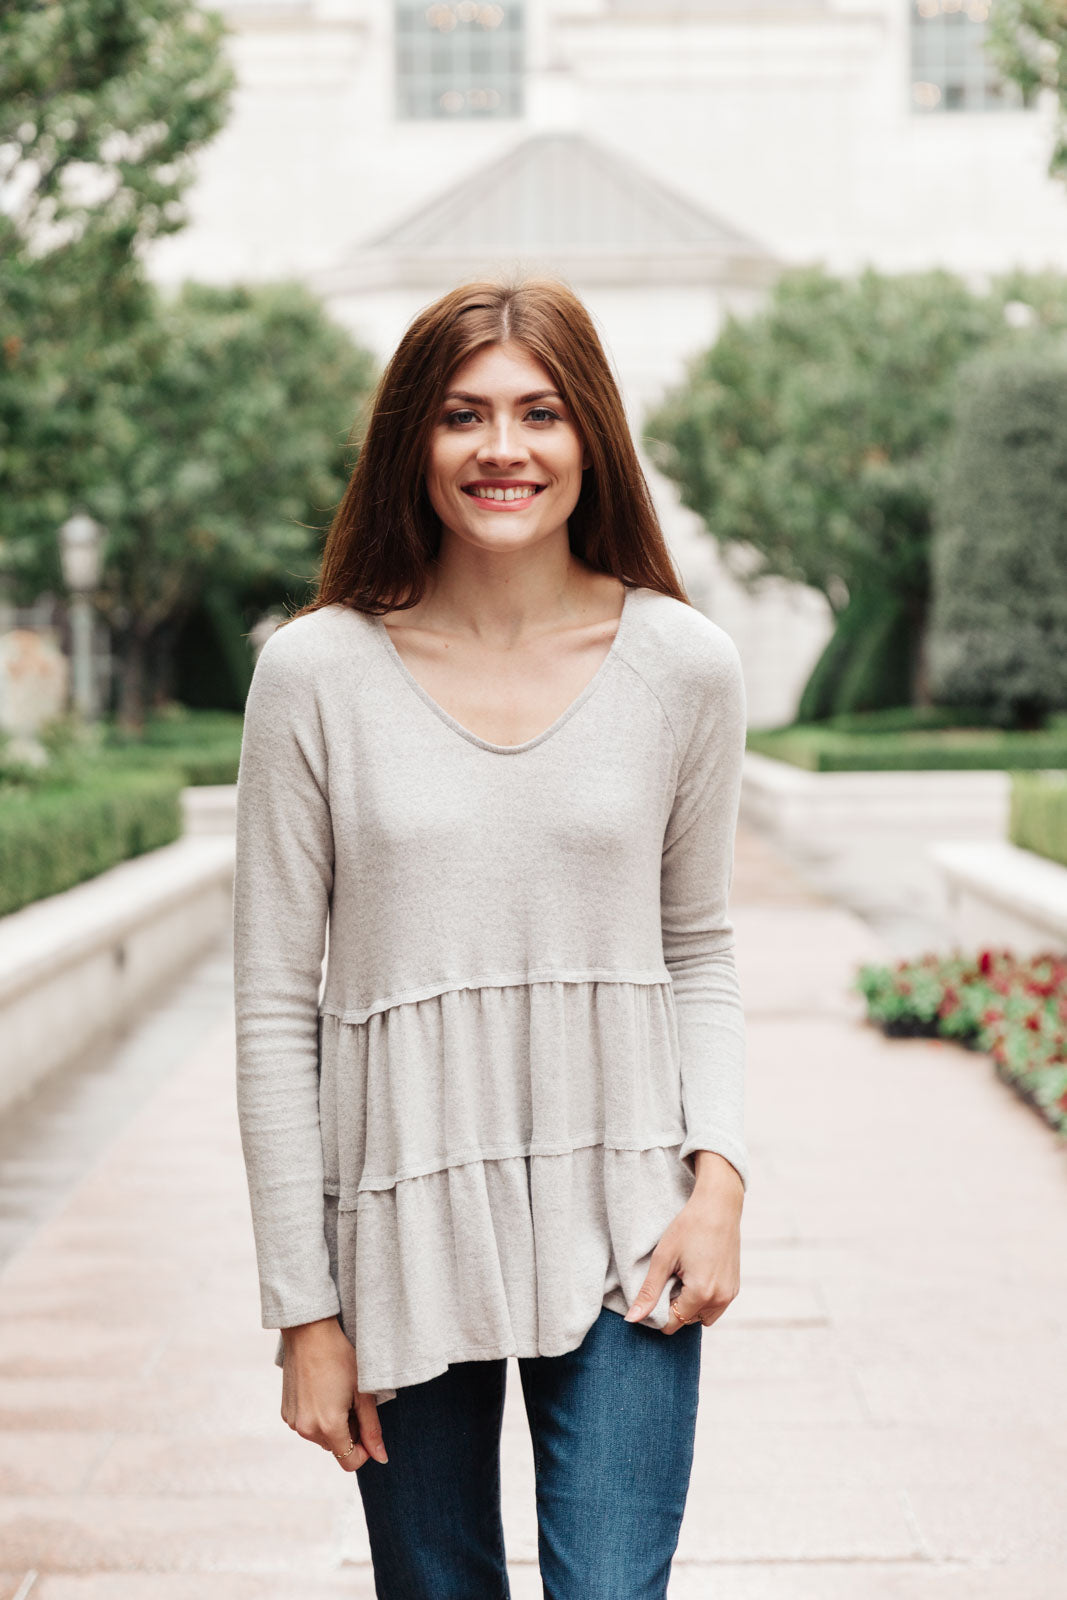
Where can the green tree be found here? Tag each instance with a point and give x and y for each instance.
(812, 433)
(998, 634)
(222, 449)
(1027, 42)
(103, 106)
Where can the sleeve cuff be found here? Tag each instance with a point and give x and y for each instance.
(722, 1144)
(294, 1316)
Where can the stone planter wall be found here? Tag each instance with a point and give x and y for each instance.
(800, 807)
(75, 966)
(998, 895)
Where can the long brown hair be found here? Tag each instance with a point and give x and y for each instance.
(385, 532)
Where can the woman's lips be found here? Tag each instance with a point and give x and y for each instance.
(496, 501)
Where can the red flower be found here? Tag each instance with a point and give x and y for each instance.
(985, 962)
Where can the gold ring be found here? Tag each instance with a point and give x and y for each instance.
(683, 1320)
(342, 1455)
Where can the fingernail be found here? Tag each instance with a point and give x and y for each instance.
(380, 1452)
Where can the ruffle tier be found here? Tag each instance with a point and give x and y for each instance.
(499, 1164)
(510, 1257)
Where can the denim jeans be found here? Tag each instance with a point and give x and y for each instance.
(612, 1424)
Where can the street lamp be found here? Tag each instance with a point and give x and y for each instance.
(79, 552)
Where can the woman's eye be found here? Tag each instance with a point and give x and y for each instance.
(460, 419)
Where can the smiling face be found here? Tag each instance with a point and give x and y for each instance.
(505, 458)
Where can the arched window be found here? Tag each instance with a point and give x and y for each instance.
(950, 69)
(459, 60)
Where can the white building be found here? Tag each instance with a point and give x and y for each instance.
(665, 158)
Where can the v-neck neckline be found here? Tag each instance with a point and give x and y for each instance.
(486, 744)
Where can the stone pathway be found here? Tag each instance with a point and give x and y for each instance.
(884, 1407)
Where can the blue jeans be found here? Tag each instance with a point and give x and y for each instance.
(612, 1424)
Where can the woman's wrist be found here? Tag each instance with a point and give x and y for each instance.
(301, 1330)
(715, 1174)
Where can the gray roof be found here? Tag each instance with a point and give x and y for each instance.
(559, 200)
(559, 191)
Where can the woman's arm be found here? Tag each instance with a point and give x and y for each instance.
(282, 884)
(702, 1244)
(698, 935)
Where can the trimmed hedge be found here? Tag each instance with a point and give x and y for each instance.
(196, 766)
(908, 719)
(54, 836)
(204, 745)
(1039, 814)
(820, 747)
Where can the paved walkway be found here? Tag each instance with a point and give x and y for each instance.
(884, 1409)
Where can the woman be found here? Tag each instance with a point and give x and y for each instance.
(500, 755)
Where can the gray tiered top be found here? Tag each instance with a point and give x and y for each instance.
(472, 1139)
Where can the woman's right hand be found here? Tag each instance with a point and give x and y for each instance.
(321, 1400)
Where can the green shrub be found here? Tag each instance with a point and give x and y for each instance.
(54, 835)
(204, 745)
(998, 617)
(810, 435)
(906, 719)
(818, 747)
(1039, 814)
(196, 765)
(866, 661)
(177, 726)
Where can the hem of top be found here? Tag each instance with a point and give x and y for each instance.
(378, 1185)
(488, 1352)
(513, 980)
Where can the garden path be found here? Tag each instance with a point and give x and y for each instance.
(884, 1407)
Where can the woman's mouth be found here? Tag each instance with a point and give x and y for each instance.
(500, 495)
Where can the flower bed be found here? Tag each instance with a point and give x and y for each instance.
(1013, 1010)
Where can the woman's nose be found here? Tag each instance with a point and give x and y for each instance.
(503, 444)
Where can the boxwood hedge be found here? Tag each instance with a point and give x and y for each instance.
(1039, 813)
(53, 836)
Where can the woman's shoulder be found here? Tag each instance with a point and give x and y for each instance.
(314, 642)
(679, 650)
(692, 667)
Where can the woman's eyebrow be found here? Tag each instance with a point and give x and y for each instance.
(523, 400)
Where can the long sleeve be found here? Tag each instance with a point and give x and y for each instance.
(282, 887)
(698, 935)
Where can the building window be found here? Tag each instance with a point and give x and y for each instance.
(950, 70)
(455, 61)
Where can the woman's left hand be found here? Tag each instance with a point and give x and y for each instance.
(702, 1246)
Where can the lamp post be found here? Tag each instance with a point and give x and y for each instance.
(79, 551)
